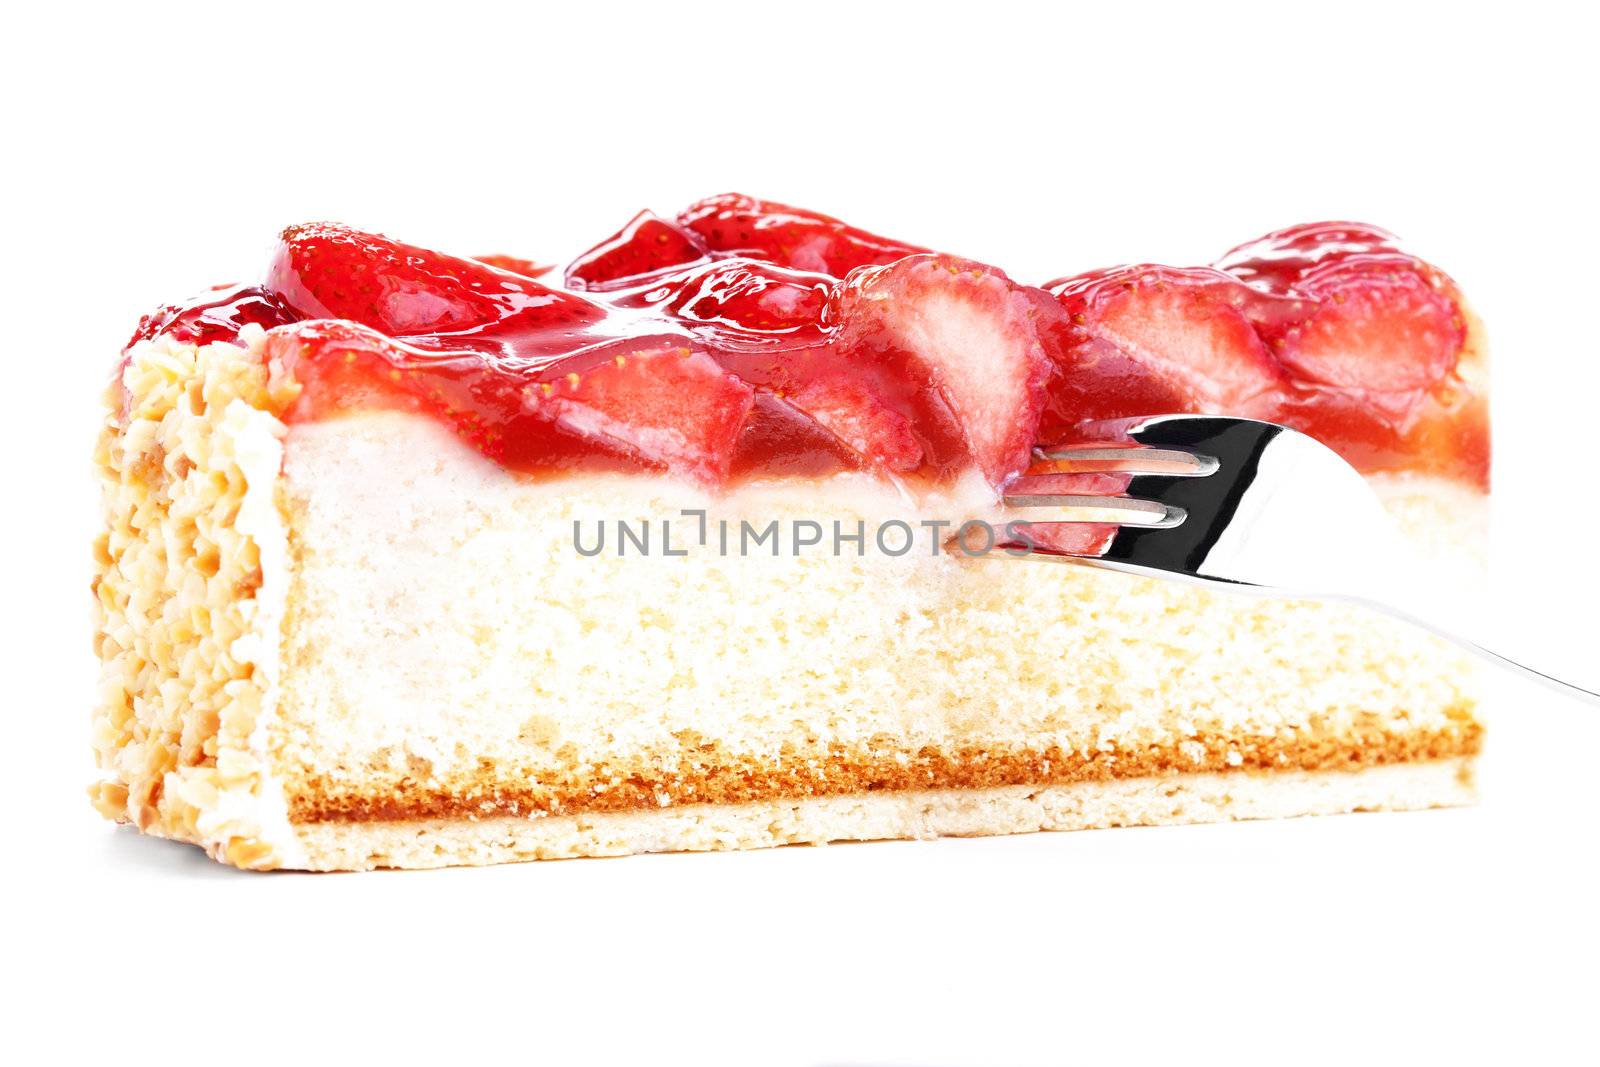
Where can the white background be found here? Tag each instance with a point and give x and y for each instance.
(156, 151)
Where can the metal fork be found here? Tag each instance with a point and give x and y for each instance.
(1255, 507)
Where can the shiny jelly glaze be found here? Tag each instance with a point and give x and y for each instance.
(733, 313)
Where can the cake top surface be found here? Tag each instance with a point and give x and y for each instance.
(744, 337)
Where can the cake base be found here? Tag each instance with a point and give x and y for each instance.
(1168, 800)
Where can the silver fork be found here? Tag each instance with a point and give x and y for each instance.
(1255, 507)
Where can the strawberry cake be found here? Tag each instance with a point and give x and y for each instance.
(412, 559)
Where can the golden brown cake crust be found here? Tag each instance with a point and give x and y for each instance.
(884, 815)
(703, 775)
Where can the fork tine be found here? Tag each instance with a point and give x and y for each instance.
(1171, 462)
(1144, 513)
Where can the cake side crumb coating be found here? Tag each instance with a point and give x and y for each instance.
(189, 585)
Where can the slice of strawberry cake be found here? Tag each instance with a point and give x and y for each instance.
(413, 560)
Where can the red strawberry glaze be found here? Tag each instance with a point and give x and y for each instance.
(215, 316)
(515, 264)
(646, 245)
(747, 338)
(736, 225)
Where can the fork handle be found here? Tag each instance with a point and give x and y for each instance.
(1516, 653)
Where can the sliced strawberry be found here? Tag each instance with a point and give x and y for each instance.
(913, 362)
(780, 439)
(737, 225)
(654, 399)
(1183, 327)
(773, 327)
(1094, 380)
(515, 264)
(646, 245)
(1382, 320)
(339, 366)
(665, 402)
(974, 334)
(323, 270)
(861, 419)
(1387, 331)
